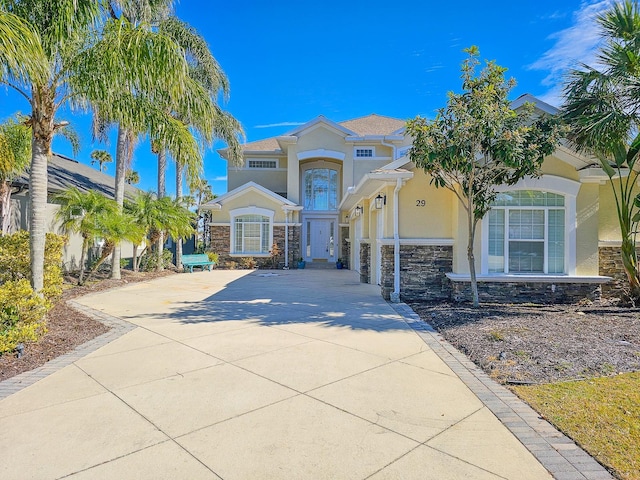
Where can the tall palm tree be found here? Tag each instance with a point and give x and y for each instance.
(85, 213)
(603, 109)
(68, 52)
(143, 111)
(15, 154)
(201, 113)
(38, 43)
(101, 157)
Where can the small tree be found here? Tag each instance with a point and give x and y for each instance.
(101, 157)
(15, 154)
(86, 213)
(478, 142)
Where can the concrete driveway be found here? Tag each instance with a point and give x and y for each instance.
(258, 375)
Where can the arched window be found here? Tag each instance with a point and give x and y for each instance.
(527, 233)
(320, 189)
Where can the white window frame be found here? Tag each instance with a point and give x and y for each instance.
(544, 240)
(238, 212)
(364, 157)
(548, 183)
(274, 160)
(321, 165)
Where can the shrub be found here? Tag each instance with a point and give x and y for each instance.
(22, 314)
(15, 263)
(248, 262)
(149, 261)
(213, 257)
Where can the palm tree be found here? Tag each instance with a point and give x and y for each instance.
(101, 157)
(67, 52)
(201, 113)
(157, 216)
(603, 109)
(139, 108)
(15, 153)
(39, 43)
(202, 191)
(116, 228)
(86, 214)
(132, 177)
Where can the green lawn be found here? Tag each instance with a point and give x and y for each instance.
(602, 415)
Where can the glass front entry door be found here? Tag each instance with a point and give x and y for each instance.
(320, 240)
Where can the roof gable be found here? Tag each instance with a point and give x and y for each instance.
(243, 189)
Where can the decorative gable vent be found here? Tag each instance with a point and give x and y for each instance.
(262, 163)
(365, 152)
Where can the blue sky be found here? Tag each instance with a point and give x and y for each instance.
(288, 62)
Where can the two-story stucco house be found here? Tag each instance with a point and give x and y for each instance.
(330, 190)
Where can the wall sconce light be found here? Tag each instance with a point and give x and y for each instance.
(380, 201)
(358, 210)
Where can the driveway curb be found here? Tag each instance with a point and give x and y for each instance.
(555, 451)
(117, 328)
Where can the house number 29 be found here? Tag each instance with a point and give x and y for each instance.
(420, 203)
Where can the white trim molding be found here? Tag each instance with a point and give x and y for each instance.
(437, 242)
(548, 183)
(321, 153)
(458, 277)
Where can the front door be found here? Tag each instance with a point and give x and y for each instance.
(321, 243)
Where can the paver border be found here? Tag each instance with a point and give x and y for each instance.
(555, 451)
(117, 328)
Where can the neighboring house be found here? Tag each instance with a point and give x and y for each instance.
(64, 173)
(329, 190)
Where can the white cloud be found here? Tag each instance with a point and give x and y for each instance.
(281, 124)
(220, 179)
(575, 45)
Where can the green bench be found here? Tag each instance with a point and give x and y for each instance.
(196, 260)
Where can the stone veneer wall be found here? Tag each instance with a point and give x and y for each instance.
(527, 292)
(345, 250)
(220, 244)
(365, 262)
(610, 265)
(220, 238)
(423, 270)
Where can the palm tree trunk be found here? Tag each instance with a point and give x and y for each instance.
(121, 171)
(37, 209)
(162, 191)
(5, 206)
(107, 249)
(135, 258)
(178, 197)
(83, 259)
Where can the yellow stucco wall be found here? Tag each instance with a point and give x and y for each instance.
(609, 228)
(587, 215)
(247, 199)
(274, 180)
(554, 166)
(434, 219)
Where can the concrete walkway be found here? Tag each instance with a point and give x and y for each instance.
(262, 375)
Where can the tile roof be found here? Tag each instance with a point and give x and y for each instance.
(368, 125)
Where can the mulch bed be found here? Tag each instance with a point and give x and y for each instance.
(522, 344)
(66, 327)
